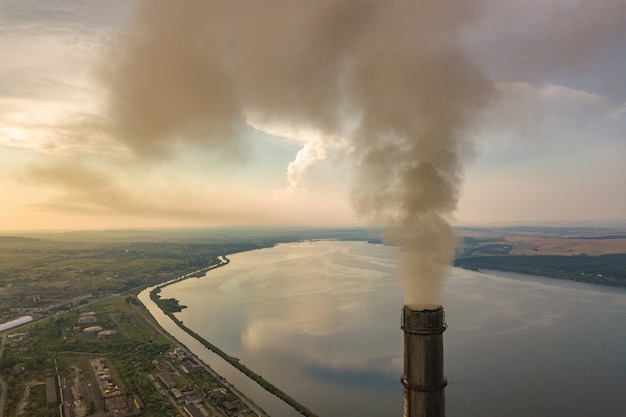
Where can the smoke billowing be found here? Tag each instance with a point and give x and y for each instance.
(387, 75)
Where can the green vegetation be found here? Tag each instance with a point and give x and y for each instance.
(168, 305)
(59, 343)
(603, 269)
(36, 406)
(59, 348)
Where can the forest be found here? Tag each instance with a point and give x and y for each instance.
(603, 269)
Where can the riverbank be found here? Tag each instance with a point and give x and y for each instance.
(609, 269)
(170, 306)
(265, 384)
(226, 387)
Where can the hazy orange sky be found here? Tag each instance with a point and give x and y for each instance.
(548, 144)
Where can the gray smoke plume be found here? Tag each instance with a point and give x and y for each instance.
(389, 75)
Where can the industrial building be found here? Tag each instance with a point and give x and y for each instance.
(14, 323)
(92, 330)
(88, 318)
(166, 379)
(192, 411)
(108, 335)
(51, 390)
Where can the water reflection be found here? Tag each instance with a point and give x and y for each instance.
(322, 322)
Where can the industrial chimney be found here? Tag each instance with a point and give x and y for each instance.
(423, 378)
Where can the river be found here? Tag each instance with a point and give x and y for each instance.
(321, 320)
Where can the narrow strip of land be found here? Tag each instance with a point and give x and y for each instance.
(268, 386)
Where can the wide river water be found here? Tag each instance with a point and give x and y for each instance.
(321, 320)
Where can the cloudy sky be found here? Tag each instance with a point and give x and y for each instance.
(123, 113)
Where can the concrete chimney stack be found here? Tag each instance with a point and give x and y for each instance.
(423, 378)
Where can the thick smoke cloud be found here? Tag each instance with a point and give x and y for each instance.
(387, 75)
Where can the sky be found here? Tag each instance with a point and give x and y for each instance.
(129, 113)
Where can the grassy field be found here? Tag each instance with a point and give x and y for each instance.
(565, 246)
(588, 255)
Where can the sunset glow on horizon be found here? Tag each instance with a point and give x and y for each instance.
(234, 122)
